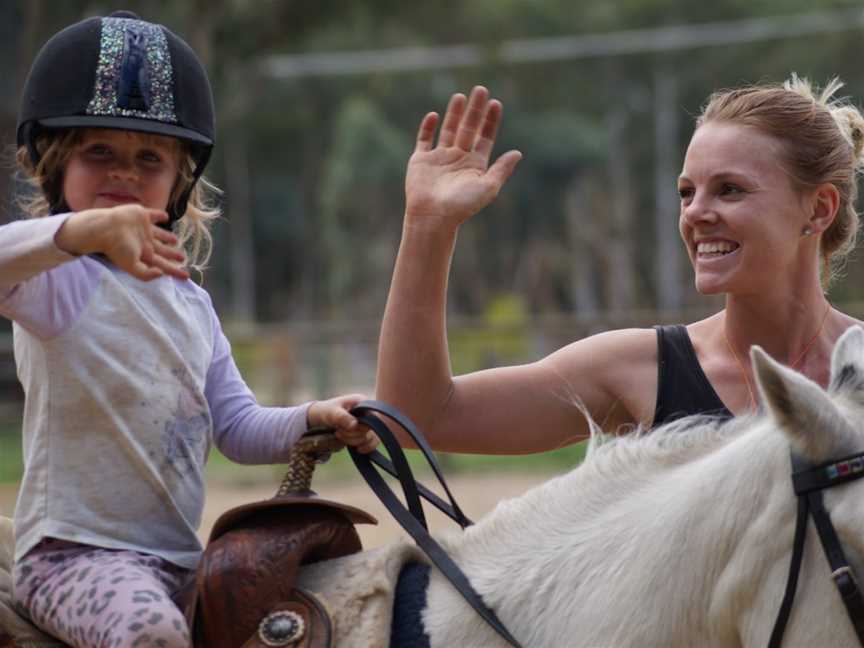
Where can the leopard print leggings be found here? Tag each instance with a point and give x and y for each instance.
(89, 597)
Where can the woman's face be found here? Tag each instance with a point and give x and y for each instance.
(741, 218)
(115, 167)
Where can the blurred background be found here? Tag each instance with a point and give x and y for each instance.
(317, 108)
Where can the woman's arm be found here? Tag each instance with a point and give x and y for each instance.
(508, 410)
(611, 377)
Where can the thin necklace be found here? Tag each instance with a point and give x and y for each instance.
(742, 370)
(794, 365)
(812, 341)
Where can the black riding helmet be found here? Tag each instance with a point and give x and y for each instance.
(119, 72)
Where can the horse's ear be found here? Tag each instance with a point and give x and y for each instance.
(803, 410)
(847, 361)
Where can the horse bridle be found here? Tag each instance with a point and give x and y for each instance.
(808, 482)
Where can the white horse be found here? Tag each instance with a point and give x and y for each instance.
(681, 537)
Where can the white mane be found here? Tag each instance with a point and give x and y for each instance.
(680, 441)
(644, 494)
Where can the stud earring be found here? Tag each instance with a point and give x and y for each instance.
(807, 231)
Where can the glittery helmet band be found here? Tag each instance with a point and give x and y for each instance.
(119, 72)
(134, 77)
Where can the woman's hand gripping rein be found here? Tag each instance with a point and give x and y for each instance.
(129, 236)
(449, 182)
(334, 413)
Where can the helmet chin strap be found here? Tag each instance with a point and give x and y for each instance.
(30, 141)
(178, 209)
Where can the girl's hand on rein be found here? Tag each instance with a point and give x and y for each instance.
(448, 182)
(129, 236)
(334, 413)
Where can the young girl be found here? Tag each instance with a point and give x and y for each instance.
(128, 376)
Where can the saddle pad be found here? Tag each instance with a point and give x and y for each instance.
(358, 591)
(406, 630)
(25, 634)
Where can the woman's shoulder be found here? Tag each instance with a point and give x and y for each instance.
(842, 323)
(611, 356)
(633, 343)
(847, 321)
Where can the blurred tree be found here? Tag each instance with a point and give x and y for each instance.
(361, 178)
(313, 166)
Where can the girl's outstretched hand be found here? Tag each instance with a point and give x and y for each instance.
(129, 235)
(448, 182)
(334, 413)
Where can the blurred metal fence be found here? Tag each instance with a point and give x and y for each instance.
(299, 361)
(294, 362)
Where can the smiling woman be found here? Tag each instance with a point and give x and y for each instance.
(730, 176)
(767, 215)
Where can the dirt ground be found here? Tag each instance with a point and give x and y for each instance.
(476, 495)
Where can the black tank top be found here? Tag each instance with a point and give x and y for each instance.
(682, 386)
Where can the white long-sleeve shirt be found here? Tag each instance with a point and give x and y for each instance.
(127, 383)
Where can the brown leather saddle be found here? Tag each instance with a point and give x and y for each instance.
(243, 595)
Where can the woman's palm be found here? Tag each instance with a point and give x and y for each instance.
(452, 181)
(448, 181)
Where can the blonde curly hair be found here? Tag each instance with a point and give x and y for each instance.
(822, 137)
(55, 148)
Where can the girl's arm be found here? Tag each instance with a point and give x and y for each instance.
(244, 431)
(129, 236)
(28, 248)
(44, 289)
(248, 433)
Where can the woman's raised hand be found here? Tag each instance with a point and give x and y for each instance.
(448, 182)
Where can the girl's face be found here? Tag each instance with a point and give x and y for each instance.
(116, 167)
(741, 218)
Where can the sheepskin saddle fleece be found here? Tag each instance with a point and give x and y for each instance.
(358, 591)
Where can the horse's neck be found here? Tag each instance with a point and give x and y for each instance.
(658, 544)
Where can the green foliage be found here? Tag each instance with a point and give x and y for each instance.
(327, 152)
(502, 338)
(360, 178)
(11, 461)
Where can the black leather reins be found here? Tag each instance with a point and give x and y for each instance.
(808, 482)
(412, 518)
